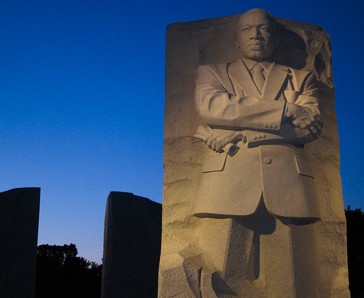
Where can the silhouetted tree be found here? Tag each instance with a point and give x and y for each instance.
(355, 225)
(61, 274)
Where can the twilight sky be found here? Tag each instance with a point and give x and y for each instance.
(82, 100)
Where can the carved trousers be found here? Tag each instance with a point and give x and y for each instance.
(259, 255)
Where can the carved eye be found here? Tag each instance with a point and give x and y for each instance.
(265, 28)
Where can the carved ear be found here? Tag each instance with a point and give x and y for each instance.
(236, 41)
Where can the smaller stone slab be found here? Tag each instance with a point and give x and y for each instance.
(19, 217)
(131, 246)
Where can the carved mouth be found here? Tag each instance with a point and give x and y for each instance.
(256, 47)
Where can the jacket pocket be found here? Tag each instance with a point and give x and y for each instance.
(214, 163)
(303, 167)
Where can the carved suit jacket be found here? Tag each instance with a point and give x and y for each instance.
(270, 161)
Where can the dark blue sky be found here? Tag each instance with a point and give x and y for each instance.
(82, 97)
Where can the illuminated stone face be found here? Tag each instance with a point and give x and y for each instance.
(255, 36)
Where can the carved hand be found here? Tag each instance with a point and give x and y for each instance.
(305, 119)
(218, 138)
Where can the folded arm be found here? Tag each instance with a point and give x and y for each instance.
(221, 109)
(295, 122)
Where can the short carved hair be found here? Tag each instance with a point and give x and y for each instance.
(270, 17)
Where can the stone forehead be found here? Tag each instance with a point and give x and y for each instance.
(252, 13)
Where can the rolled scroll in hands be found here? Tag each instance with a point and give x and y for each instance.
(219, 140)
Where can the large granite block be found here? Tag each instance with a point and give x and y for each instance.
(267, 219)
(19, 214)
(131, 246)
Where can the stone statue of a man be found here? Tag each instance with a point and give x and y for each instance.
(257, 191)
(252, 203)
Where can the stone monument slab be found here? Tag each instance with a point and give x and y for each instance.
(252, 202)
(19, 216)
(131, 246)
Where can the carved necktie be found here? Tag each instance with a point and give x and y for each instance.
(258, 76)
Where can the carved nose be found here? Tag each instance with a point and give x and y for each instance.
(255, 32)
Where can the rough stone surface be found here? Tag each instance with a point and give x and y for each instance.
(302, 46)
(19, 214)
(131, 246)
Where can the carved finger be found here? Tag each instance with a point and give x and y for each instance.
(314, 132)
(311, 136)
(318, 128)
(313, 129)
(209, 141)
(318, 124)
(213, 144)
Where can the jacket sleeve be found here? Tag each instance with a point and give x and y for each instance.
(307, 91)
(222, 109)
(303, 93)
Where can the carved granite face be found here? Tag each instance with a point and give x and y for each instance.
(256, 39)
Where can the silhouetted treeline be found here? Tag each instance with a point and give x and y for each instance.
(61, 274)
(355, 225)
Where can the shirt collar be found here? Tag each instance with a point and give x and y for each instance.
(251, 63)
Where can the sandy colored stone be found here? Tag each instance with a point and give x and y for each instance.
(302, 46)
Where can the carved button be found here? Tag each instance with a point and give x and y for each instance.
(267, 160)
(275, 126)
(264, 135)
(259, 137)
(255, 137)
(266, 125)
(270, 125)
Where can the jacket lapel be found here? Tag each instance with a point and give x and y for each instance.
(242, 80)
(275, 82)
